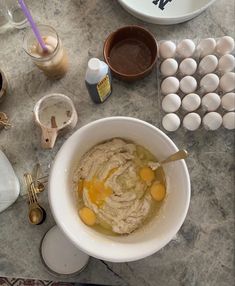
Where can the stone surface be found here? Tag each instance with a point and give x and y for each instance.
(202, 253)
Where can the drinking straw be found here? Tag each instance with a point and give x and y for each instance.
(33, 25)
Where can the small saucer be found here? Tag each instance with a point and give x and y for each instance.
(60, 256)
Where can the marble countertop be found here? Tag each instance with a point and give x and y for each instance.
(202, 253)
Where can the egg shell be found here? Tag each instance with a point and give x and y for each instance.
(206, 47)
(229, 120)
(167, 49)
(225, 45)
(191, 102)
(226, 63)
(186, 48)
(192, 121)
(171, 102)
(209, 82)
(188, 66)
(169, 67)
(188, 84)
(208, 64)
(211, 101)
(212, 121)
(227, 82)
(228, 101)
(170, 85)
(171, 122)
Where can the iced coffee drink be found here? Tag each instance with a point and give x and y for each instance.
(54, 61)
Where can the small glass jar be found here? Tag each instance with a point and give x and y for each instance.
(12, 11)
(53, 63)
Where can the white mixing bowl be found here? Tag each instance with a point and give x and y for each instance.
(172, 12)
(149, 238)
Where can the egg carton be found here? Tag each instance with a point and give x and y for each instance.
(196, 83)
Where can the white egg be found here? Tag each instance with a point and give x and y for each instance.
(170, 85)
(227, 82)
(169, 67)
(226, 63)
(228, 101)
(208, 64)
(188, 66)
(192, 121)
(167, 49)
(186, 48)
(229, 120)
(171, 102)
(206, 47)
(212, 121)
(188, 84)
(225, 45)
(211, 101)
(191, 102)
(209, 82)
(171, 122)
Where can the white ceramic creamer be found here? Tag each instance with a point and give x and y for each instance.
(9, 183)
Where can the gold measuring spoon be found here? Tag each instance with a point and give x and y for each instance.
(36, 213)
(39, 186)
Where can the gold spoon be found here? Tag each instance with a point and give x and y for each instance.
(36, 213)
(181, 154)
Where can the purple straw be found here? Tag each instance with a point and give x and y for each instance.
(33, 25)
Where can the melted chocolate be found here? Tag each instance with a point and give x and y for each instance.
(130, 56)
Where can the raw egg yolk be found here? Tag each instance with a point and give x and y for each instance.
(147, 174)
(87, 216)
(158, 192)
(97, 191)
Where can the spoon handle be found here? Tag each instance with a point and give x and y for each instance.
(28, 188)
(181, 154)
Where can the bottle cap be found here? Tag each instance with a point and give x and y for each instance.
(94, 64)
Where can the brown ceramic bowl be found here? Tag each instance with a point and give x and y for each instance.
(130, 52)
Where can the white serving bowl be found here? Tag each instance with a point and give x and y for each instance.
(175, 11)
(149, 238)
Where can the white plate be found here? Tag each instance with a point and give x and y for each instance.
(165, 12)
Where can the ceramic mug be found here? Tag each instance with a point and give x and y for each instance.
(54, 113)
